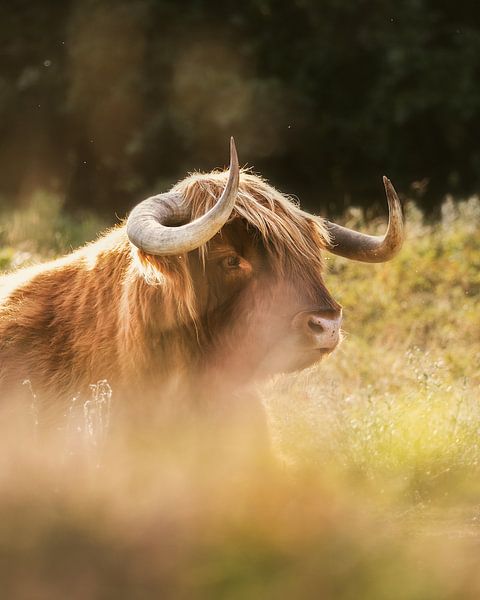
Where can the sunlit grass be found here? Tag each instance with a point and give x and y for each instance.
(398, 405)
(374, 491)
(41, 228)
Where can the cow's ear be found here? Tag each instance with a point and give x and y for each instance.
(156, 269)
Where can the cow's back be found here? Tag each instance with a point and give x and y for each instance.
(58, 320)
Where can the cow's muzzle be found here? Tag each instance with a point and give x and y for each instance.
(319, 329)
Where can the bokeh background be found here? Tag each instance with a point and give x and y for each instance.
(103, 102)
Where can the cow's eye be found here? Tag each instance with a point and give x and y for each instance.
(231, 262)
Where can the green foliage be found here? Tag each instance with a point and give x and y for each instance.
(43, 229)
(323, 97)
(7, 256)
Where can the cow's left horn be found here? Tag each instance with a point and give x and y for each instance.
(150, 225)
(370, 248)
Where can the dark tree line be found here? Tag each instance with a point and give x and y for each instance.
(104, 101)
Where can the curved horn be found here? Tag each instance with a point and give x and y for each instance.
(147, 227)
(370, 248)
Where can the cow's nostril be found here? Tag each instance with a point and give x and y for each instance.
(315, 325)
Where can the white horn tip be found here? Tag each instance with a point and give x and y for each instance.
(233, 153)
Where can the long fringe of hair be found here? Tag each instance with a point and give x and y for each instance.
(293, 238)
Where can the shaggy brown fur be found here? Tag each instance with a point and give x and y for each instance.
(109, 311)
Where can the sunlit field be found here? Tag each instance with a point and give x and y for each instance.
(371, 487)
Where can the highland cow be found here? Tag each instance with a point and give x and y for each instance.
(220, 278)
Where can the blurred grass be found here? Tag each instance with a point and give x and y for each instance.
(42, 229)
(375, 491)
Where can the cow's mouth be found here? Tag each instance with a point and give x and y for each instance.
(307, 359)
(292, 361)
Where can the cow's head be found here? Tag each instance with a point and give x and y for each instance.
(255, 266)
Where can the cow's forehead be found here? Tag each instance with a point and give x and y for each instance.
(289, 235)
(237, 236)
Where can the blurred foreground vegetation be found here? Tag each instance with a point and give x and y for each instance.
(375, 488)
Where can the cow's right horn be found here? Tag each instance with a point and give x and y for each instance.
(370, 248)
(151, 224)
